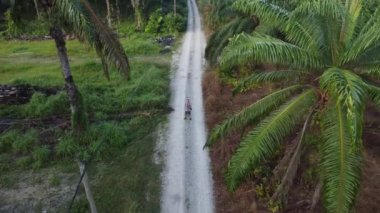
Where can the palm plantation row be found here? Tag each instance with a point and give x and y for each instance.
(325, 57)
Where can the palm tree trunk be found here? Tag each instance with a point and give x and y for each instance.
(87, 188)
(117, 11)
(36, 6)
(175, 7)
(78, 115)
(136, 4)
(109, 21)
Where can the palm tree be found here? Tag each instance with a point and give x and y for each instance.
(137, 7)
(109, 19)
(78, 17)
(329, 51)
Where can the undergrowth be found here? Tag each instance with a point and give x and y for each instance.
(123, 116)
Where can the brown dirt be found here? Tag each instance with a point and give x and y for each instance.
(220, 103)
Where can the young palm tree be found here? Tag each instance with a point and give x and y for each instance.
(329, 50)
(78, 17)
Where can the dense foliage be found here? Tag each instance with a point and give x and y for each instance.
(327, 55)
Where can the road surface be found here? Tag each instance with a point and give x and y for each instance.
(187, 180)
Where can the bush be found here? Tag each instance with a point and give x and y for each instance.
(112, 134)
(34, 27)
(7, 139)
(67, 147)
(169, 23)
(174, 23)
(155, 23)
(41, 105)
(40, 156)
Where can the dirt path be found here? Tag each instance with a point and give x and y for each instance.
(187, 185)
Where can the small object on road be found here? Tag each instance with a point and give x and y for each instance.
(188, 109)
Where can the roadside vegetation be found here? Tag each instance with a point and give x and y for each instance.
(38, 147)
(311, 70)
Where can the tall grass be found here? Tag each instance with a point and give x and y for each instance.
(120, 138)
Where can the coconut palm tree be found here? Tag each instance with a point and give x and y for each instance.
(76, 16)
(328, 54)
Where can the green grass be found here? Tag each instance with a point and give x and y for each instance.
(123, 115)
(133, 187)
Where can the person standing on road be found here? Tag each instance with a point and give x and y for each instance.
(188, 109)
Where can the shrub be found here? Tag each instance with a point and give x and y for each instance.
(34, 27)
(113, 134)
(24, 161)
(169, 23)
(67, 147)
(40, 156)
(155, 23)
(174, 23)
(42, 106)
(7, 139)
(25, 143)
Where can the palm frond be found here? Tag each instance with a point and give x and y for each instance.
(265, 139)
(372, 70)
(266, 77)
(221, 11)
(330, 15)
(291, 171)
(352, 20)
(341, 161)
(374, 94)
(266, 11)
(307, 34)
(252, 113)
(71, 15)
(83, 21)
(370, 58)
(244, 49)
(304, 34)
(350, 91)
(107, 44)
(220, 38)
(368, 37)
(331, 9)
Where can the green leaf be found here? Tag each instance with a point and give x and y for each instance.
(79, 17)
(368, 37)
(265, 10)
(261, 78)
(251, 113)
(350, 91)
(341, 161)
(244, 49)
(266, 137)
(374, 94)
